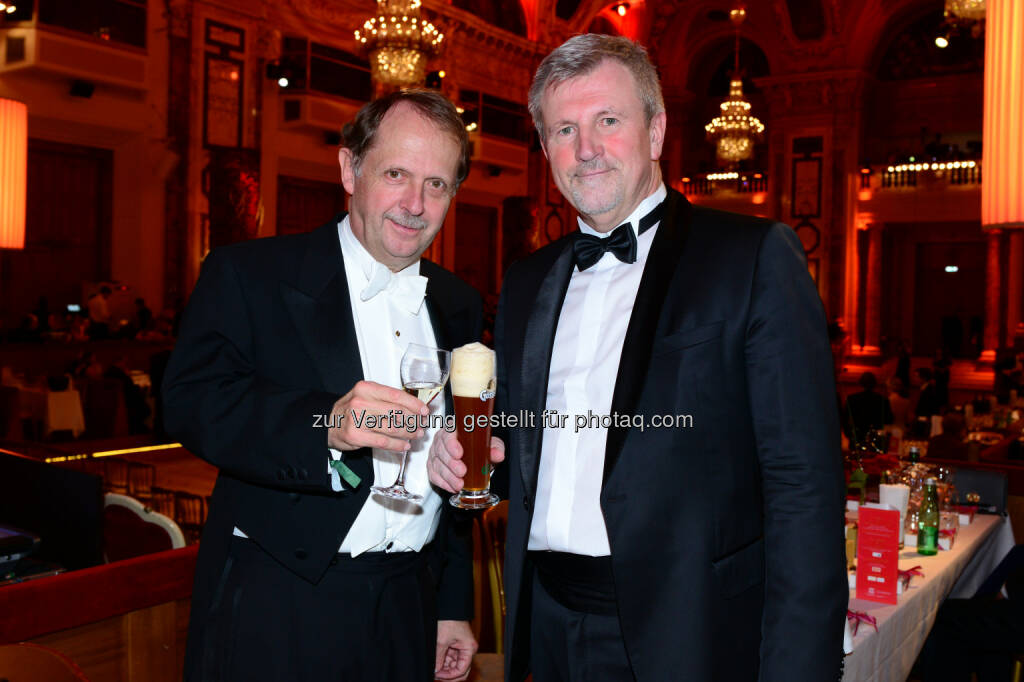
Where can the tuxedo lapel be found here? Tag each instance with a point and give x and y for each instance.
(536, 360)
(319, 304)
(668, 245)
(442, 337)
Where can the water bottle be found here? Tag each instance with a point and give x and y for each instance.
(928, 521)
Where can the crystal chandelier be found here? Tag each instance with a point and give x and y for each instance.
(735, 131)
(398, 43)
(966, 9)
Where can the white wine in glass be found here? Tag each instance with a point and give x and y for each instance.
(424, 374)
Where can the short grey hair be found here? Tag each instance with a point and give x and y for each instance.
(580, 55)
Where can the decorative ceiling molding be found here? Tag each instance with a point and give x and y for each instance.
(833, 21)
(179, 18)
(811, 93)
(462, 25)
(327, 11)
(239, 8)
(511, 58)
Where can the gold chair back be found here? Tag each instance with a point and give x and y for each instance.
(493, 522)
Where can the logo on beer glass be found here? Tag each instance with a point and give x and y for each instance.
(473, 388)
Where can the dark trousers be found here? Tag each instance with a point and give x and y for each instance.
(571, 646)
(369, 618)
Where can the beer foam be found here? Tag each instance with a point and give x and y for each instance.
(472, 369)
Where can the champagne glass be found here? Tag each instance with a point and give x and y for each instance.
(424, 373)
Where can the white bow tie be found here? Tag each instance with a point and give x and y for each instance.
(406, 292)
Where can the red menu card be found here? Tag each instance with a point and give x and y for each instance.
(878, 551)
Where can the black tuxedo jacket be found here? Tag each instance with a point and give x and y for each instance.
(268, 342)
(726, 537)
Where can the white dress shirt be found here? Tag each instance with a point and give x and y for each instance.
(584, 363)
(384, 329)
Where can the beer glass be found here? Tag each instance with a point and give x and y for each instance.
(424, 373)
(473, 387)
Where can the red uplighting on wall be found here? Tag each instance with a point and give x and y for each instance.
(530, 9)
(13, 173)
(1002, 202)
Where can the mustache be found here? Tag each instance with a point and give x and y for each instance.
(407, 220)
(591, 166)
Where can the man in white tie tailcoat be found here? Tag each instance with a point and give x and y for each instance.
(287, 343)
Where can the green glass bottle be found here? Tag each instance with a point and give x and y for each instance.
(928, 520)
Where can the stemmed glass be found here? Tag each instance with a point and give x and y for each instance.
(424, 373)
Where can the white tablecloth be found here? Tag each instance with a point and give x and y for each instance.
(889, 654)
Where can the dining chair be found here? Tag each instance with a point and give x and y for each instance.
(115, 476)
(991, 486)
(190, 512)
(140, 480)
(161, 500)
(494, 522)
(487, 667)
(131, 529)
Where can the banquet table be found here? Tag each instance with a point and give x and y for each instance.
(888, 654)
(56, 410)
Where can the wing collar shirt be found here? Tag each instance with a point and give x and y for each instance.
(585, 360)
(385, 326)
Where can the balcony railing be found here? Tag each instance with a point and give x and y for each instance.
(121, 22)
(707, 184)
(903, 175)
(316, 68)
(495, 116)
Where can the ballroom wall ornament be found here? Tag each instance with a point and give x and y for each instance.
(736, 130)
(398, 43)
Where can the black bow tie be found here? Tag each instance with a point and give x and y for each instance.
(622, 241)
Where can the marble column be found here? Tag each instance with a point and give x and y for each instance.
(993, 284)
(1014, 284)
(1002, 203)
(873, 294)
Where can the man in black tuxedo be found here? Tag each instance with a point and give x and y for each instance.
(699, 536)
(286, 345)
